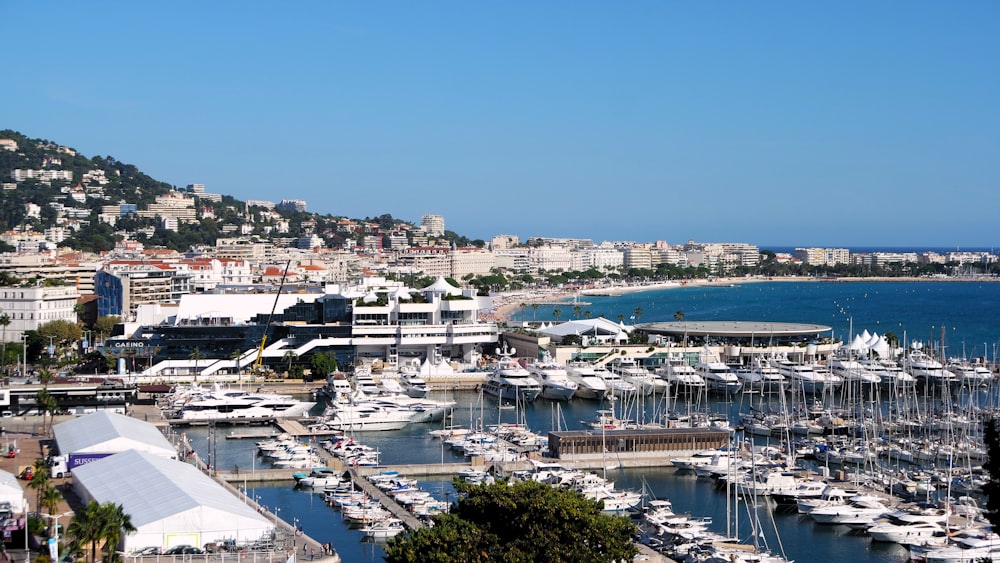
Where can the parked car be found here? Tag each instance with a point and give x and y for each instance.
(148, 550)
(183, 550)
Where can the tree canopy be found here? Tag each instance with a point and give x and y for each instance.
(523, 522)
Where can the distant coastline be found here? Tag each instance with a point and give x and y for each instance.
(507, 304)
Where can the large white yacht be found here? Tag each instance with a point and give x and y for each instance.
(852, 370)
(923, 366)
(680, 376)
(589, 384)
(556, 384)
(718, 377)
(509, 381)
(630, 370)
(221, 404)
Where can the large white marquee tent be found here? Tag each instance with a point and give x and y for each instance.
(11, 491)
(170, 502)
(105, 432)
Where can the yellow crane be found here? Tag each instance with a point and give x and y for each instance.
(258, 368)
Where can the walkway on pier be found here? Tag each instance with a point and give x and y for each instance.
(390, 504)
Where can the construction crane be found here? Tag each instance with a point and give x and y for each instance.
(258, 368)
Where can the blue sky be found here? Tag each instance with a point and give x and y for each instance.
(774, 123)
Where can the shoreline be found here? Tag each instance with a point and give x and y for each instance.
(507, 304)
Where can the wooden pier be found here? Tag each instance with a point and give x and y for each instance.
(389, 503)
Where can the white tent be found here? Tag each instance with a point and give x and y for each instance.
(105, 432)
(11, 491)
(170, 502)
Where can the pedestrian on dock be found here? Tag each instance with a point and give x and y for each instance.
(312, 554)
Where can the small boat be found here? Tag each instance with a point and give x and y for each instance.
(384, 529)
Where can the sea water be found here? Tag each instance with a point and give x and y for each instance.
(967, 310)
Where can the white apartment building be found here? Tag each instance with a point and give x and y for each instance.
(475, 261)
(172, 205)
(513, 259)
(823, 256)
(20, 175)
(550, 258)
(638, 258)
(433, 225)
(31, 307)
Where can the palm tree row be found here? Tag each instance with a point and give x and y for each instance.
(101, 525)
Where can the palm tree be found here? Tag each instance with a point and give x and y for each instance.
(621, 317)
(235, 356)
(678, 315)
(196, 355)
(557, 312)
(576, 311)
(47, 403)
(114, 523)
(534, 309)
(50, 501)
(39, 479)
(290, 356)
(85, 527)
(523, 307)
(637, 313)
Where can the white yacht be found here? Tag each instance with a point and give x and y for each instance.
(717, 375)
(860, 510)
(556, 384)
(770, 377)
(630, 370)
(220, 404)
(368, 417)
(509, 382)
(680, 376)
(889, 371)
(616, 386)
(922, 366)
(589, 385)
(852, 370)
(807, 378)
(415, 386)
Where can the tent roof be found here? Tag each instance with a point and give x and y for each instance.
(152, 488)
(598, 326)
(114, 432)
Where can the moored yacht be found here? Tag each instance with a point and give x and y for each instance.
(680, 376)
(510, 382)
(556, 384)
(926, 368)
(718, 377)
(589, 384)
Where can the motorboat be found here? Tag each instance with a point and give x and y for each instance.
(556, 384)
(853, 370)
(415, 386)
(630, 370)
(510, 382)
(680, 376)
(616, 386)
(922, 366)
(589, 385)
(717, 375)
(221, 404)
(319, 478)
(860, 510)
(807, 378)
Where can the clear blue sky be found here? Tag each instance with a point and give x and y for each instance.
(774, 123)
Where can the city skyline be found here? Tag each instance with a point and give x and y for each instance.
(809, 125)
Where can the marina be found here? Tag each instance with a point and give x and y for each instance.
(409, 449)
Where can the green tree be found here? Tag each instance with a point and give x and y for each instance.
(534, 309)
(114, 524)
(39, 479)
(197, 355)
(526, 521)
(323, 364)
(105, 326)
(637, 313)
(557, 312)
(678, 315)
(85, 528)
(290, 356)
(48, 405)
(60, 334)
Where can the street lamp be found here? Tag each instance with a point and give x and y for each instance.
(295, 532)
(27, 548)
(54, 541)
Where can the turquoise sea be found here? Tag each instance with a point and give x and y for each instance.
(969, 311)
